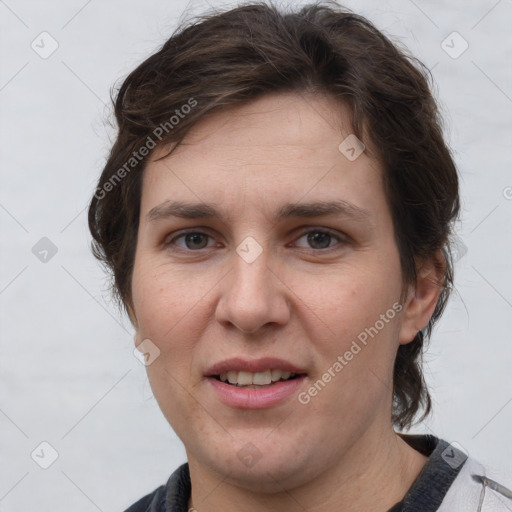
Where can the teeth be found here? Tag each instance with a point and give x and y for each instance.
(261, 378)
(250, 379)
(244, 378)
(279, 374)
(276, 375)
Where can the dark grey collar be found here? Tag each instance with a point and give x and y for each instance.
(426, 493)
(430, 487)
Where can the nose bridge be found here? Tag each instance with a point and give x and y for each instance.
(252, 297)
(250, 275)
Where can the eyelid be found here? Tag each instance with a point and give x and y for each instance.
(170, 239)
(342, 238)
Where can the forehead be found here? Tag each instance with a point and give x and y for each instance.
(281, 147)
(300, 120)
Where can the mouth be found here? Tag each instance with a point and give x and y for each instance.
(256, 380)
(255, 384)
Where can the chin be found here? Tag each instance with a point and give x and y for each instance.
(266, 471)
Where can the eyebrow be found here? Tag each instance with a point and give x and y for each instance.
(208, 211)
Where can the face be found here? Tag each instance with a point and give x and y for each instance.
(267, 274)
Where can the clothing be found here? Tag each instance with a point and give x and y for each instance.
(449, 482)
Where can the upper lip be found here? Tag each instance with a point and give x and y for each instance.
(253, 366)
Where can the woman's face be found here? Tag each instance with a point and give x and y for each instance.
(264, 250)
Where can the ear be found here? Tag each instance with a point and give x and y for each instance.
(422, 298)
(137, 335)
(131, 315)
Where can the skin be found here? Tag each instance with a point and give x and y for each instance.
(303, 302)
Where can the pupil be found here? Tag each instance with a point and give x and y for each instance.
(319, 239)
(193, 241)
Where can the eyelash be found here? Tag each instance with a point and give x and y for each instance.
(340, 239)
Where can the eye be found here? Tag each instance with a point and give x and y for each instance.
(191, 241)
(319, 239)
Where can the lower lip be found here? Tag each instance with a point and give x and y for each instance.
(250, 398)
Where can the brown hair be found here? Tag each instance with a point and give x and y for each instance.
(228, 58)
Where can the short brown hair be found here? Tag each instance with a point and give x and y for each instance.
(228, 58)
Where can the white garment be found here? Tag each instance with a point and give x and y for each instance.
(474, 491)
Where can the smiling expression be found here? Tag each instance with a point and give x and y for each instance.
(262, 253)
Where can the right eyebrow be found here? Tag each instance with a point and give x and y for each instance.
(182, 210)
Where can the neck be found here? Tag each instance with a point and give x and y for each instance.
(372, 477)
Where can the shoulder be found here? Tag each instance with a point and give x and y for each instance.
(171, 497)
(452, 482)
(152, 502)
(477, 489)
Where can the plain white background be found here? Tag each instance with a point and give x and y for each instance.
(68, 375)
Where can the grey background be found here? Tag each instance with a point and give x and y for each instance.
(68, 375)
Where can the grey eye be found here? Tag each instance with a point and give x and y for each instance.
(319, 239)
(196, 240)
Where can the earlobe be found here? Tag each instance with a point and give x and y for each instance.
(422, 298)
(131, 315)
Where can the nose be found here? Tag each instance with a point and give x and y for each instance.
(252, 297)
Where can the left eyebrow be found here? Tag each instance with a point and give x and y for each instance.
(312, 209)
(321, 208)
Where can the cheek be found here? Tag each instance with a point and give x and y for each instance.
(355, 317)
(172, 311)
(161, 298)
(168, 313)
(344, 305)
